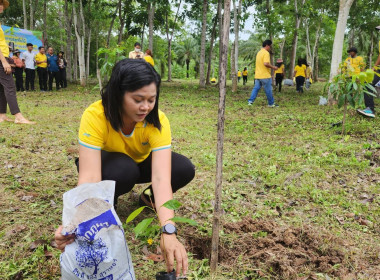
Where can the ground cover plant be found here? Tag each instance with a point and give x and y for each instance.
(300, 200)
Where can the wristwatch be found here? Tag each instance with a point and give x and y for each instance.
(169, 229)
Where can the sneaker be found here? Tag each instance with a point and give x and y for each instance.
(274, 105)
(366, 112)
(249, 103)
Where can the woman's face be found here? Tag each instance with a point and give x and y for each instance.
(1, 8)
(138, 104)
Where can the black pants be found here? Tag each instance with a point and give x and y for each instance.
(239, 79)
(368, 99)
(19, 79)
(7, 93)
(30, 76)
(245, 79)
(54, 75)
(300, 81)
(126, 172)
(42, 77)
(63, 78)
(279, 78)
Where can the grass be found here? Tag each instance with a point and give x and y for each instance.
(288, 159)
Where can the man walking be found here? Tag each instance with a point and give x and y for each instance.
(369, 111)
(41, 61)
(30, 64)
(53, 69)
(263, 76)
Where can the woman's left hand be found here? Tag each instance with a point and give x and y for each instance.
(173, 249)
(7, 67)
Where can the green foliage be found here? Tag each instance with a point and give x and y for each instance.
(172, 204)
(111, 57)
(134, 214)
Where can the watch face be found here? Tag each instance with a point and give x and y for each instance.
(169, 228)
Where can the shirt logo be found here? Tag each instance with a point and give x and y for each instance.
(86, 134)
(145, 143)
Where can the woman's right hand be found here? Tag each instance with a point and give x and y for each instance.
(7, 67)
(63, 240)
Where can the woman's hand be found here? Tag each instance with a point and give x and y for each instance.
(173, 249)
(63, 240)
(7, 67)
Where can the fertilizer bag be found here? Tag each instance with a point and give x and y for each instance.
(288, 82)
(99, 250)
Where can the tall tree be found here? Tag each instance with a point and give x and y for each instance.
(68, 27)
(237, 10)
(80, 34)
(297, 16)
(344, 10)
(213, 35)
(220, 140)
(25, 14)
(202, 80)
(151, 8)
(169, 35)
(187, 51)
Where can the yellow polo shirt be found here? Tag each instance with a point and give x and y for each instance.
(245, 73)
(262, 72)
(135, 55)
(41, 57)
(3, 44)
(149, 59)
(280, 70)
(96, 133)
(300, 70)
(239, 74)
(357, 63)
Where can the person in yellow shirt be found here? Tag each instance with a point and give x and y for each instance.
(369, 102)
(245, 76)
(279, 73)
(354, 64)
(125, 138)
(263, 76)
(149, 57)
(41, 61)
(308, 76)
(213, 80)
(8, 95)
(300, 75)
(239, 76)
(136, 53)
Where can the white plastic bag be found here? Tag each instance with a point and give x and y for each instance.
(99, 250)
(322, 100)
(288, 82)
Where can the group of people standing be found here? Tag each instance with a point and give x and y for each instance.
(138, 54)
(50, 67)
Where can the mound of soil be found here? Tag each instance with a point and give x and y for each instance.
(280, 251)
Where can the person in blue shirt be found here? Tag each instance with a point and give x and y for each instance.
(53, 68)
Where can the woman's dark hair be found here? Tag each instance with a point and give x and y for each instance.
(267, 43)
(245, 68)
(129, 75)
(278, 64)
(300, 62)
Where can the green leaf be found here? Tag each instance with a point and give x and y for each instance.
(134, 214)
(184, 220)
(172, 204)
(351, 100)
(142, 226)
(355, 85)
(341, 100)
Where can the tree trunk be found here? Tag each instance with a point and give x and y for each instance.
(122, 22)
(151, 24)
(33, 6)
(213, 34)
(295, 39)
(187, 68)
(142, 37)
(220, 7)
(233, 50)
(25, 14)
(282, 44)
(270, 31)
(80, 31)
(45, 39)
(75, 62)
(88, 54)
(316, 66)
(352, 38)
(68, 21)
(97, 59)
(202, 80)
(111, 27)
(344, 10)
(169, 36)
(370, 53)
(219, 152)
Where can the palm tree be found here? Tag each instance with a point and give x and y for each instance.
(186, 51)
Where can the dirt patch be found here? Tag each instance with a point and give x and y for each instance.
(279, 251)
